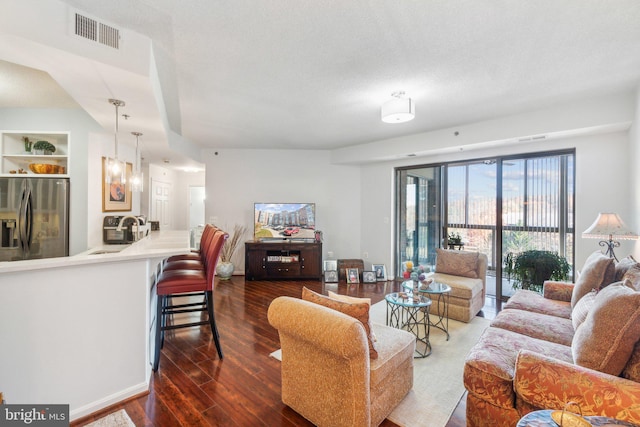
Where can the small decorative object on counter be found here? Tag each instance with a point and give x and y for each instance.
(27, 144)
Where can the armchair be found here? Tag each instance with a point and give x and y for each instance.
(327, 375)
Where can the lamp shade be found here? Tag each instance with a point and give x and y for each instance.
(398, 110)
(609, 226)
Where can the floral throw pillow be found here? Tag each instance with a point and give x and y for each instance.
(598, 271)
(359, 311)
(606, 339)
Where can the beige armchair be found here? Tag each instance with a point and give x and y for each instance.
(327, 375)
(466, 273)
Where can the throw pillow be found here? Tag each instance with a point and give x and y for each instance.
(621, 267)
(582, 308)
(359, 311)
(633, 276)
(598, 272)
(606, 338)
(353, 300)
(457, 263)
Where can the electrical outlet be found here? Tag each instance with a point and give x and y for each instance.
(330, 254)
(365, 255)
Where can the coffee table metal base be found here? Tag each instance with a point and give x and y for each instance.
(403, 314)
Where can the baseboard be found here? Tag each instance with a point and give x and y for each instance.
(100, 404)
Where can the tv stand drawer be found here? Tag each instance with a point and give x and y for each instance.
(283, 270)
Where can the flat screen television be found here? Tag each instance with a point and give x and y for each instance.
(280, 221)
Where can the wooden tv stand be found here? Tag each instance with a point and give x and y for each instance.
(282, 260)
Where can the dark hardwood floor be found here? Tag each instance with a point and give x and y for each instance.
(194, 388)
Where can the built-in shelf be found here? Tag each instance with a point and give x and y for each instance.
(15, 159)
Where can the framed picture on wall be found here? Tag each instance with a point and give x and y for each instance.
(116, 195)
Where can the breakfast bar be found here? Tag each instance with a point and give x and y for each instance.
(85, 323)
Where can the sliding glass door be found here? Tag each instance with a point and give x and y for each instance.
(499, 206)
(419, 215)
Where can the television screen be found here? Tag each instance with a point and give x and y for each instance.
(284, 220)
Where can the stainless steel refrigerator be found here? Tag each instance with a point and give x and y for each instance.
(34, 218)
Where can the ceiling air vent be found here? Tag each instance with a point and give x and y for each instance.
(91, 29)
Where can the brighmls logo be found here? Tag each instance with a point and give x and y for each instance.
(34, 415)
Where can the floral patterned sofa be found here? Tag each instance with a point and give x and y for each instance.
(575, 342)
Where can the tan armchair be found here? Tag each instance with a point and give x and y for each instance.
(327, 375)
(466, 273)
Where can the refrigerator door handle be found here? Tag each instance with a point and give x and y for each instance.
(28, 213)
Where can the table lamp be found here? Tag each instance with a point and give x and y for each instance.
(609, 226)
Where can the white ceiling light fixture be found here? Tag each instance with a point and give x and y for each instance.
(400, 109)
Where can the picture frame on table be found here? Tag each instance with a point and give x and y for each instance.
(369, 277)
(330, 265)
(353, 276)
(331, 276)
(381, 272)
(116, 195)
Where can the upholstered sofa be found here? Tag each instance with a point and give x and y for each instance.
(339, 369)
(466, 273)
(575, 342)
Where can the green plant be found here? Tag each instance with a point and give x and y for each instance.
(45, 146)
(454, 238)
(531, 268)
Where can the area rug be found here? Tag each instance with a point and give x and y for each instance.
(437, 379)
(116, 419)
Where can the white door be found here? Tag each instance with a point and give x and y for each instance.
(196, 207)
(160, 203)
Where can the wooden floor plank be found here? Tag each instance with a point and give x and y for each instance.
(194, 388)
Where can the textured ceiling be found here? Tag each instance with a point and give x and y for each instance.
(313, 73)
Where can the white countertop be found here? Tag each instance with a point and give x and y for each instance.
(158, 244)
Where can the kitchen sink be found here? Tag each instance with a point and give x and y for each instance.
(103, 251)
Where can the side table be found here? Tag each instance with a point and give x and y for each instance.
(443, 293)
(405, 312)
(543, 419)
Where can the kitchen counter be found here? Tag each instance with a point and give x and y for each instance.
(80, 329)
(161, 243)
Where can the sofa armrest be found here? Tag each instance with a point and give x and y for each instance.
(559, 291)
(548, 383)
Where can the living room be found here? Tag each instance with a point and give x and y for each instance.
(582, 96)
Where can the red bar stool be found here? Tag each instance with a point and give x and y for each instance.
(185, 283)
(196, 255)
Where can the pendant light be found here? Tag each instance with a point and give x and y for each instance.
(137, 178)
(115, 168)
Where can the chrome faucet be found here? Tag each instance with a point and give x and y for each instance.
(135, 234)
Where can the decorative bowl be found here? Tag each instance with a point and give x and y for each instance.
(43, 168)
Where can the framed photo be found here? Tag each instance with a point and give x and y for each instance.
(381, 272)
(369, 277)
(353, 276)
(331, 265)
(331, 276)
(116, 196)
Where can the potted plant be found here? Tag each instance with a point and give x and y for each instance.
(531, 268)
(454, 238)
(225, 266)
(44, 147)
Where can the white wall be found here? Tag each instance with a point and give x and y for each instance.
(185, 180)
(634, 173)
(236, 179)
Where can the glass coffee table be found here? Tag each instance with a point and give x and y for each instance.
(441, 292)
(411, 314)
